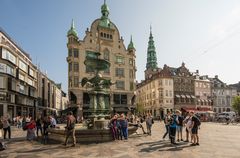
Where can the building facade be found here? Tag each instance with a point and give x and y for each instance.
(184, 94)
(18, 79)
(202, 86)
(51, 98)
(222, 95)
(103, 37)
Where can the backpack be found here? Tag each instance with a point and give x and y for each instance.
(198, 122)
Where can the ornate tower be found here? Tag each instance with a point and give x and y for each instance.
(151, 66)
(103, 37)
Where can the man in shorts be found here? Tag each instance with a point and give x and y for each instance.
(194, 126)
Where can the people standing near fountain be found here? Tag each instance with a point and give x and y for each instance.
(39, 125)
(46, 124)
(31, 126)
(149, 122)
(53, 122)
(70, 128)
(6, 127)
(119, 128)
(113, 127)
(172, 129)
(124, 126)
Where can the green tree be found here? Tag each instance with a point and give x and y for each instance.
(236, 104)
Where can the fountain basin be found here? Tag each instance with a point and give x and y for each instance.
(84, 135)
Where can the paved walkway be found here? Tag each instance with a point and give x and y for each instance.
(216, 140)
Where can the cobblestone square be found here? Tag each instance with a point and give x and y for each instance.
(216, 140)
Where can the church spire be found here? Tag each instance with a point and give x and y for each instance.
(72, 30)
(104, 21)
(131, 45)
(151, 53)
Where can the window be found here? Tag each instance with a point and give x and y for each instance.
(30, 82)
(106, 55)
(120, 84)
(3, 68)
(31, 72)
(166, 93)
(120, 60)
(21, 77)
(76, 81)
(130, 61)
(2, 82)
(131, 75)
(170, 93)
(120, 72)
(166, 82)
(75, 53)
(70, 81)
(131, 86)
(10, 70)
(8, 55)
(120, 99)
(70, 67)
(22, 66)
(76, 67)
(69, 52)
(21, 89)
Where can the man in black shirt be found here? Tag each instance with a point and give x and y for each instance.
(194, 126)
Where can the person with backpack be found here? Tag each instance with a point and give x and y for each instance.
(70, 128)
(172, 129)
(195, 125)
(179, 119)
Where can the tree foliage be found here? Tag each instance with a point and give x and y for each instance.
(236, 104)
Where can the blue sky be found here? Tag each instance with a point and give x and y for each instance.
(204, 34)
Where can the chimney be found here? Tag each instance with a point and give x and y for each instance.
(197, 71)
(216, 76)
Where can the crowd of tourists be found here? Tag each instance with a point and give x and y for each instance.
(175, 123)
(118, 125)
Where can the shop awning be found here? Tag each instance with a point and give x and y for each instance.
(188, 96)
(178, 96)
(192, 96)
(183, 96)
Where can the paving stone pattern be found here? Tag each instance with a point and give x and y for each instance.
(216, 140)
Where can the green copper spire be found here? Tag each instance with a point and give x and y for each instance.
(151, 53)
(131, 45)
(104, 21)
(72, 30)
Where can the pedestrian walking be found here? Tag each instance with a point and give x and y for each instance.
(6, 127)
(149, 122)
(70, 128)
(167, 120)
(39, 126)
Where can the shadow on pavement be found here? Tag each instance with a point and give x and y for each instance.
(163, 146)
